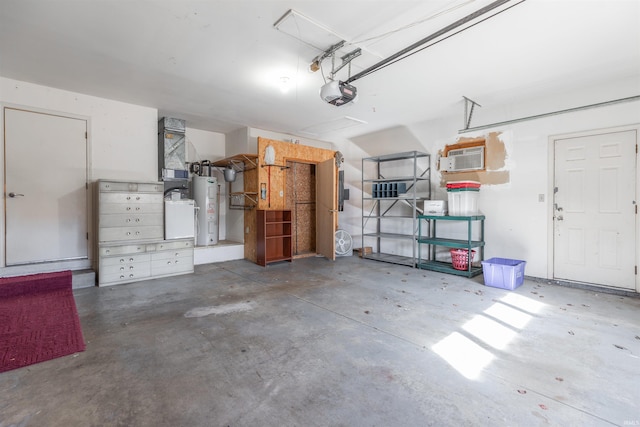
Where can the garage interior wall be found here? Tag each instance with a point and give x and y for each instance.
(517, 223)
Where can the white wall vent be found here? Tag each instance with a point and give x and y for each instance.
(464, 159)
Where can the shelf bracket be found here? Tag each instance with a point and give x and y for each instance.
(469, 105)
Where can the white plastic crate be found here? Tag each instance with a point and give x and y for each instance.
(463, 203)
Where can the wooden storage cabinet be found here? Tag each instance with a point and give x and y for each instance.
(131, 243)
(274, 240)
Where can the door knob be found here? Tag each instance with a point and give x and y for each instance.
(12, 194)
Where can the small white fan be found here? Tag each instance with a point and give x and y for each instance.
(344, 243)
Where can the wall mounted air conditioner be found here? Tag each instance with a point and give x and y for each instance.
(464, 159)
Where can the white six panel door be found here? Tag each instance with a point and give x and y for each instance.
(594, 209)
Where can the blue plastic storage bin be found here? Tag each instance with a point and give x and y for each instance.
(503, 273)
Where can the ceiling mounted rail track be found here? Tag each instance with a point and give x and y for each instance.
(404, 53)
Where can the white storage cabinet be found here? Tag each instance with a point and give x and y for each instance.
(131, 243)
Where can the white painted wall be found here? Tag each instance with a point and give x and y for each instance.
(518, 225)
(122, 137)
(204, 145)
(123, 145)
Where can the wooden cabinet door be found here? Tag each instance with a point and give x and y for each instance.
(326, 208)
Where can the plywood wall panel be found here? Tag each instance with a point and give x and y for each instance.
(250, 235)
(275, 176)
(305, 237)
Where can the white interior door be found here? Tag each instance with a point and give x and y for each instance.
(45, 187)
(595, 209)
(326, 208)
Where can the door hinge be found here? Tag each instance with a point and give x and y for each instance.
(86, 135)
(87, 235)
(636, 270)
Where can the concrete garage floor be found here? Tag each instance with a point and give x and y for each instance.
(345, 343)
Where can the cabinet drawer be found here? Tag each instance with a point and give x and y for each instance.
(119, 250)
(131, 220)
(171, 266)
(124, 260)
(113, 234)
(111, 278)
(172, 254)
(124, 269)
(130, 199)
(148, 187)
(131, 208)
(172, 261)
(171, 245)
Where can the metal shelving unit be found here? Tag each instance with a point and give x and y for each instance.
(428, 235)
(393, 185)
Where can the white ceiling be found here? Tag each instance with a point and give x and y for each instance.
(218, 64)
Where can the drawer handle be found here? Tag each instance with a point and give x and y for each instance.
(137, 219)
(128, 197)
(131, 259)
(121, 268)
(121, 259)
(128, 208)
(131, 267)
(138, 198)
(131, 275)
(122, 276)
(168, 262)
(137, 232)
(176, 261)
(128, 219)
(177, 253)
(137, 209)
(107, 251)
(128, 233)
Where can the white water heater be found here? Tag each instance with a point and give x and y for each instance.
(205, 194)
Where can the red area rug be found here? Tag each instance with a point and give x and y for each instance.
(38, 319)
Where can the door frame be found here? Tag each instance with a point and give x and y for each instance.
(551, 193)
(56, 265)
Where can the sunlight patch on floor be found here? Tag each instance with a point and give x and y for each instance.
(497, 327)
(463, 354)
(489, 331)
